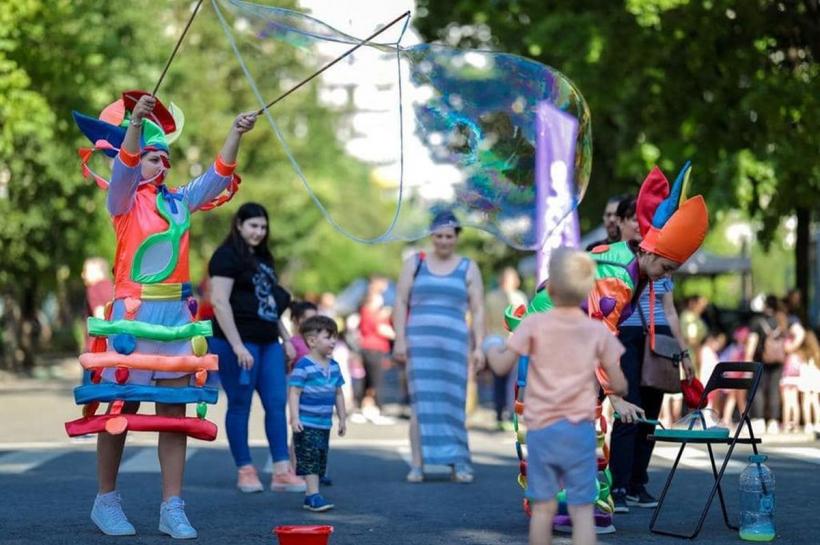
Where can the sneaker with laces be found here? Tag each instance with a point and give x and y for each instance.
(247, 480)
(287, 482)
(172, 519)
(619, 499)
(109, 517)
(639, 497)
(316, 503)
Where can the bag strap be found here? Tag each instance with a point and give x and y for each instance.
(650, 330)
(421, 256)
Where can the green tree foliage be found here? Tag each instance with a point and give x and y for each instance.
(731, 85)
(62, 55)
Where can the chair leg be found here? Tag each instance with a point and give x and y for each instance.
(662, 497)
(715, 488)
(719, 490)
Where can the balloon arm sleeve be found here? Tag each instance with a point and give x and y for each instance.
(205, 188)
(523, 367)
(125, 178)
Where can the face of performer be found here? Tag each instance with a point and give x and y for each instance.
(444, 241)
(153, 163)
(253, 230)
(655, 266)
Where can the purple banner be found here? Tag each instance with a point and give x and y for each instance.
(555, 136)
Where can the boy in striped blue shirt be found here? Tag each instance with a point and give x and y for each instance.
(315, 387)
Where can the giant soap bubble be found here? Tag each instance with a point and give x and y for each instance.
(422, 127)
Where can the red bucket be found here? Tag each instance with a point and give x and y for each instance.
(303, 535)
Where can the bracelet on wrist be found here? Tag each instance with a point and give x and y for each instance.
(134, 123)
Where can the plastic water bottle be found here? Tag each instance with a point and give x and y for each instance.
(757, 501)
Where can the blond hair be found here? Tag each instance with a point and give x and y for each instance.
(572, 276)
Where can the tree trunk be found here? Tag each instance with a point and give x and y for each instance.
(802, 249)
(29, 330)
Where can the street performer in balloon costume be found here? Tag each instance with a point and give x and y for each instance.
(149, 348)
(673, 228)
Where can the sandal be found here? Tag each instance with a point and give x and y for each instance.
(416, 475)
(462, 474)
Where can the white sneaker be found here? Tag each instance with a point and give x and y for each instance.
(109, 517)
(172, 519)
(773, 428)
(381, 420)
(358, 418)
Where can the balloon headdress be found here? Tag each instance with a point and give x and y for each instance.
(160, 128)
(672, 225)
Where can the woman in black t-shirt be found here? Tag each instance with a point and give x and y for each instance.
(248, 302)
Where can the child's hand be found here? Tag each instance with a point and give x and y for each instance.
(296, 424)
(477, 359)
(342, 427)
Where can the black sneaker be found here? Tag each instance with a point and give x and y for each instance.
(641, 498)
(619, 499)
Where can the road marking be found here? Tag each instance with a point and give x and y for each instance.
(696, 458)
(22, 461)
(804, 454)
(147, 461)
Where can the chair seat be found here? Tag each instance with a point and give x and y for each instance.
(703, 440)
(710, 433)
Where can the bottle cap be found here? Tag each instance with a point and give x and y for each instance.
(758, 458)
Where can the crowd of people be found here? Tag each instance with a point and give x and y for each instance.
(305, 362)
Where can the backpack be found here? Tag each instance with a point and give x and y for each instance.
(774, 345)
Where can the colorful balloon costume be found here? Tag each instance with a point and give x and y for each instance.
(672, 227)
(149, 332)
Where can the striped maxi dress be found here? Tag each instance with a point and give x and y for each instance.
(437, 340)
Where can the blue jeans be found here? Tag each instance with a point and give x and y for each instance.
(268, 378)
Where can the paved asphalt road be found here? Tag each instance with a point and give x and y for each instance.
(48, 484)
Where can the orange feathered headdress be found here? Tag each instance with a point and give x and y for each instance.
(672, 225)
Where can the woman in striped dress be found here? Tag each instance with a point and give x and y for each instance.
(432, 335)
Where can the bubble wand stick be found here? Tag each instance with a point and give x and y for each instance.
(404, 15)
(176, 48)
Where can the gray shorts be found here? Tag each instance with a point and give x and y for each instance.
(562, 455)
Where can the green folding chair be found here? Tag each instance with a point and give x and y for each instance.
(751, 372)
